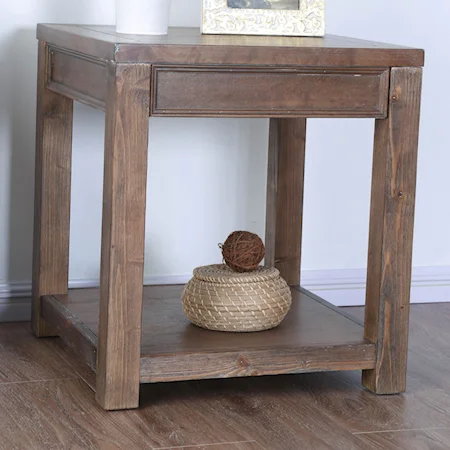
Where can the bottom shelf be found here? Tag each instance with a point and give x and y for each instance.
(314, 337)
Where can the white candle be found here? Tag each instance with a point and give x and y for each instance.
(142, 16)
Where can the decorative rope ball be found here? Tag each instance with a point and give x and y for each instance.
(243, 251)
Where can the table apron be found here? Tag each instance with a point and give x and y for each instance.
(211, 91)
(77, 76)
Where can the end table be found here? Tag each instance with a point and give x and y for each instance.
(128, 334)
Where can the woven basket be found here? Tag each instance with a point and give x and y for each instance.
(217, 298)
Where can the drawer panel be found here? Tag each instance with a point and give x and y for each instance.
(207, 91)
(78, 76)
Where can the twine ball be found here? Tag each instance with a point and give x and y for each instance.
(243, 251)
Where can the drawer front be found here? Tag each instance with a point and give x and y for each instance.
(78, 76)
(269, 93)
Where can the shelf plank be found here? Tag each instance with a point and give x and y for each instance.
(337, 309)
(312, 338)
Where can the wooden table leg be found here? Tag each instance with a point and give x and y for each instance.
(122, 259)
(52, 194)
(391, 233)
(285, 182)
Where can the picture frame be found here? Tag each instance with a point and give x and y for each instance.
(264, 17)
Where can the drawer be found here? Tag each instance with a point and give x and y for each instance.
(262, 92)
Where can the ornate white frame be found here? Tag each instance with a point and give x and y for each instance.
(309, 20)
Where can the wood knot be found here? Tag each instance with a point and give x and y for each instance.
(242, 362)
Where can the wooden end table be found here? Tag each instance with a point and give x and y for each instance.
(128, 334)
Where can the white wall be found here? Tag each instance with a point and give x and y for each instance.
(207, 176)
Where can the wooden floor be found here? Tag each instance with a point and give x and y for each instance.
(45, 404)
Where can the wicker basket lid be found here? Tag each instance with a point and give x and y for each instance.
(221, 273)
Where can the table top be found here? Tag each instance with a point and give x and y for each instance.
(189, 46)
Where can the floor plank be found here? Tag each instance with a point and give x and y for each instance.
(226, 446)
(60, 415)
(329, 411)
(432, 439)
(427, 400)
(340, 397)
(63, 414)
(269, 410)
(25, 358)
(428, 357)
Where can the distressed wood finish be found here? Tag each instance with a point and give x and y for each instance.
(52, 193)
(271, 192)
(232, 92)
(188, 46)
(312, 338)
(79, 77)
(77, 336)
(391, 233)
(163, 368)
(187, 74)
(122, 258)
(265, 92)
(285, 184)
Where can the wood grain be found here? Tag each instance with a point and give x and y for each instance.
(78, 77)
(52, 193)
(391, 232)
(271, 191)
(339, 310)
(285, 183)
(339, 395)
(77, 336)
(313, 337)
(299, 359)
(189, 46)
(267, 92)
(285, 79)
(309, 411)
(24, 358)
(272, 411)
(251, 445)
(123, 229)
(431, 439)
(63, 414)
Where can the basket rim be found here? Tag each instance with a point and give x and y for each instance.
(221, 273)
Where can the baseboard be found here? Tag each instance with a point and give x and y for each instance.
(348, 287)
(15, 310)
(340, 287)
(15, 303)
